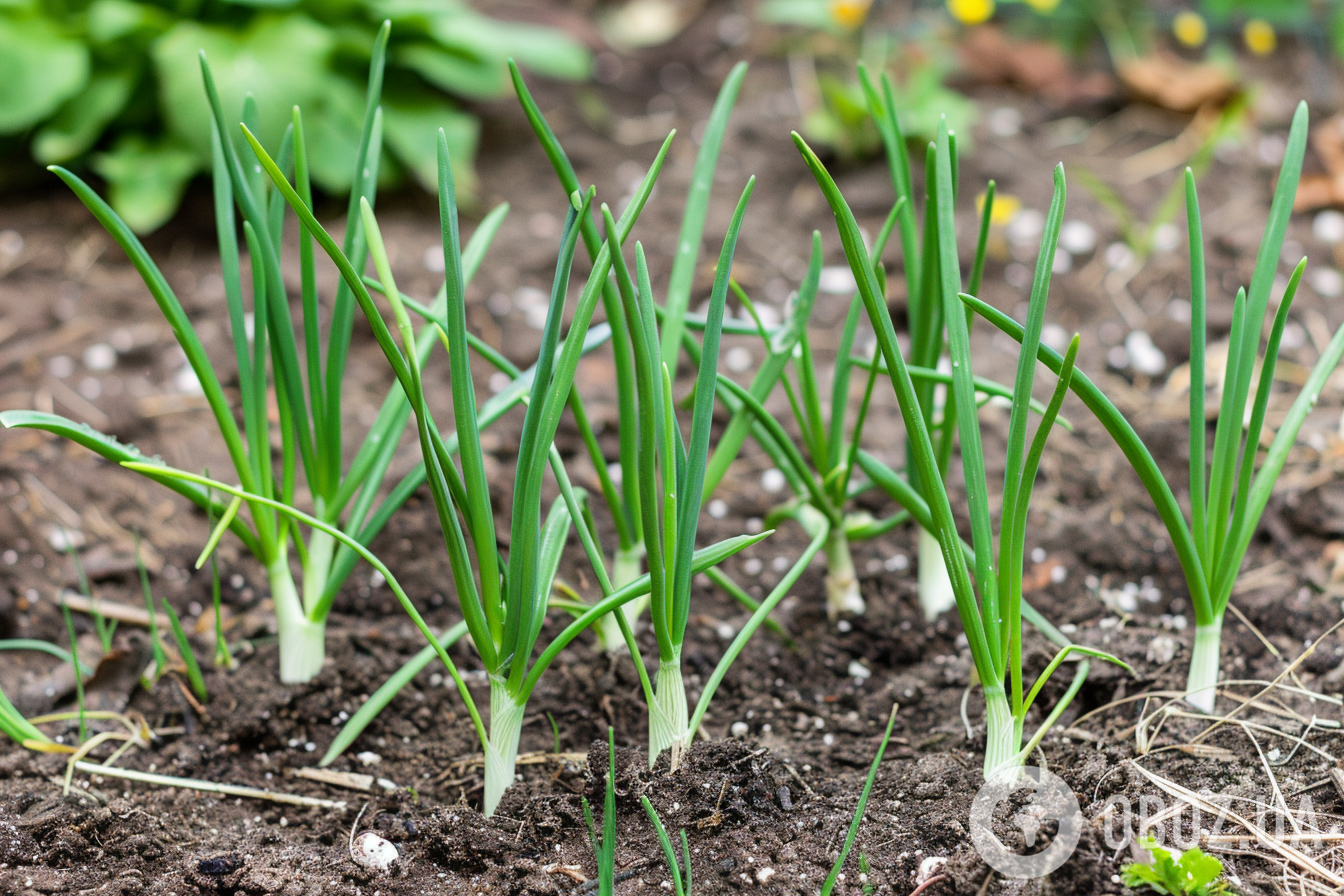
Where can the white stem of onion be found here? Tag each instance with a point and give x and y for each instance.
(935, 585)
(1002, 736)
(1201, 688)
(627, 567)
(321, 548)
(842, 583)
(302, 641)
(501, 747)
(669, 722)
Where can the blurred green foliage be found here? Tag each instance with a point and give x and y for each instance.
(116, 83)
(831, 36)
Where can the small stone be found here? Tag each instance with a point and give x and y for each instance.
(718, 508)
(1077, 237)
(372, 853)
(837, 280)
(1327, 282)
(739, 729)
(1118, 255)
(785, 799)
(737, 359)
(858, 670)
(764, 874)
(772, 480)
(1328, 226)
(1162, 649)
(930, 867)
(1143, 356)
(100, 356)
(1005, 121)
(1166, 238)
(434, 260)
(217, 865)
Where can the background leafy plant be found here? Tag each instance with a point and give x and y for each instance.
(113, 84)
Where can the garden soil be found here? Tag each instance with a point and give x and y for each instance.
(767, 798)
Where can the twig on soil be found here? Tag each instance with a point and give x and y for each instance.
(1274, 651)
(93, 768)
(794, 774)
(111, 609)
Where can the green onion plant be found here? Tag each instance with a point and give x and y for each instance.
(920, 251)
(670, 471)
(990, 604)
(622, 495)
(1227, 494)
(503, 602)
(308, 385)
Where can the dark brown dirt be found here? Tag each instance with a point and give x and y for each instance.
(778, 799)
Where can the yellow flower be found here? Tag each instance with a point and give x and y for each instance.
(1190, 29)
(1006, 207)
(971, 12)
(1044, 7)
(1259, 37)
(850, 13)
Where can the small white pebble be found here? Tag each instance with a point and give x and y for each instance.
(837, 280)
(739, 729)
(896, 563)
(1143, 356)
(718, 508)
(752, 566)
(930, 867)
(764, 874)
(1005, 121)
(1118, 255)
(100, 356)
(434, 260)
(1063, 262)
(1167, 237)
(1077, 237)
(772, 480)
(372, 853)
(1026, 227)
(737, 359)
(1038, 555)
(1328, 226)
(858, 670)
(61, 366)
(1327, 282)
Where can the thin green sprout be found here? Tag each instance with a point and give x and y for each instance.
(156, 644)
(79, 679)
(853, 834)
(194, 677)
(678, 868)
(604, 848)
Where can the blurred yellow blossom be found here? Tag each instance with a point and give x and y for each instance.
(971, 12)
(1190, 29)
(1259, 36)
(1045, 7)
(1006, 207)
(850, 13)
